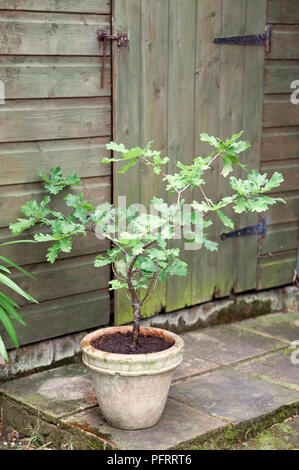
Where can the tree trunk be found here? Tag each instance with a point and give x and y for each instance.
(136, 327)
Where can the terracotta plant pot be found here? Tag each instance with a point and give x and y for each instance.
(132, 389)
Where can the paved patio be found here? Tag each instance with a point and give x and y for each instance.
(235, 377)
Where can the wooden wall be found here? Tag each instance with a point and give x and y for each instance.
(280, 144)
(170, 85)
(55, 114)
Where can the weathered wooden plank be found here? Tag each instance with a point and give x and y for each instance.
(279, 111)
(277, 270)
(154, 67)
(280, 144)
(27, 33)
(126, 16)
(285, 42)
(53, 77)
(231, 115)
(281, 238)
(64, 278)
(24, 254)
(284, 213)
(63, 316)
(252, 125)
(290, 172)
(72, 6)
(95, 190)
(283, 11)
(24, 161)
(54, 119)
(279, 75)
(181, 106)
(206, 119)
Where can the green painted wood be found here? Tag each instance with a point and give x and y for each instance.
(24, 254)
(231, 115)
(280, 143)
(289, 170)
(55, 114)
(206, 119)
(279, 75)
(64, 278)
(53, 77)
(279, 111)
(62, 316)
(252, 124)
(154, 112)
(285, 213)
(285, 42)
(30, 33)
(75, 6)
(27, 120)
(181, 106)
(283, 11)
(277, 270)
(126, 16)
(95, 190)
(23, 161)
(281, 238)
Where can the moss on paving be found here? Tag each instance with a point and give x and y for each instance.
(232, 436)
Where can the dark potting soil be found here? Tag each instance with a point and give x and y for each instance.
(119, 343)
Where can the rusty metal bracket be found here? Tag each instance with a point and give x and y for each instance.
(103, 36)
(262, 39)
(259, 229)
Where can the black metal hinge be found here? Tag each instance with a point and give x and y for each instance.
(260, 229)
(103, 36)
(262, 39)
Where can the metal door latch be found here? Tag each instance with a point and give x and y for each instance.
(103, 36)
(263, 39)
(259, 229)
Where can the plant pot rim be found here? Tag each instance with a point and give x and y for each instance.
(132, 364)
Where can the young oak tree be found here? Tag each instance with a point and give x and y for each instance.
(140, 254)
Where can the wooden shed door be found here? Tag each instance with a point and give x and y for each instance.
(55, 114)
(171, 84)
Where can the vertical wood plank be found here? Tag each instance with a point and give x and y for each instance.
(231, 121)
(252, 125)
(182, 37)
(154, 102)
(207, 85)
(126, 16)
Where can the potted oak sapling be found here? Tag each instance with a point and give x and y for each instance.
(132, 365)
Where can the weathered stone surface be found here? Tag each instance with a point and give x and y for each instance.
(232, 395)
(192, 365)
(276, 368)
(221, 311)
(55, 393)
(40, 355)
(281, 325)
(228, 344)
(178, 424)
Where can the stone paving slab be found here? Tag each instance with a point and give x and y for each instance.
(179, 423)
(276, 368)
(232, 395)
(192, 365)
(54, 393)
(228, 344)
(230, 374)
(284, 326)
